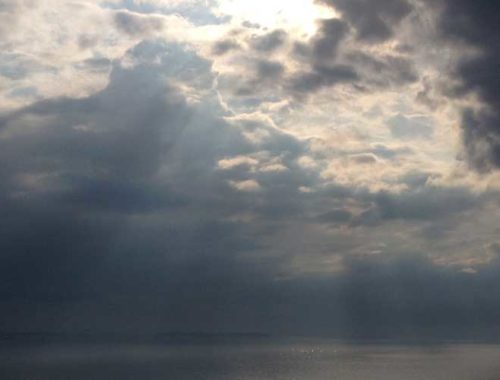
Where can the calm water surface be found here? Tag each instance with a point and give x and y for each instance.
(262, 359)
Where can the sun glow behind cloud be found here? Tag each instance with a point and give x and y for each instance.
(300, 15)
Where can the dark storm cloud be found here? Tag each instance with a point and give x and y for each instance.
(374, 21)
(76, 168)
(476, 23)
(117, 216)
(99, 135)
(118, 195)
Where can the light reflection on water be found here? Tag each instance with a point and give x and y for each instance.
(251, 360)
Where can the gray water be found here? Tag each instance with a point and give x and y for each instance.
(264, 359)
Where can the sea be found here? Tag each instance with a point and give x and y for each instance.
(245, 358)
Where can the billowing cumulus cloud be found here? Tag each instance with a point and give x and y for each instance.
(173, 166)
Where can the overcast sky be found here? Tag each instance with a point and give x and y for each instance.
(297, 167)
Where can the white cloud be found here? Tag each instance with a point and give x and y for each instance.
(246, 186)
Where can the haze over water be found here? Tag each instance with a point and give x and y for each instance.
(250, 359)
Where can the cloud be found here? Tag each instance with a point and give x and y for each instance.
(248, 185)
(403, 127)
(235, 162)
(364, 159)
(419, 203)
(320, 52)
(246, 188)
(326, 42)
(303, 66)
(390, 153)
(198, 12)
(11, 14)
(330, 58)
(400, 294)
(118, 193)
(382, 71)
(224, 46)
(474, 24)
(336, 216)
(269, 42)
(136, 24)
(269, 69)
(373, 21)
(306, 82)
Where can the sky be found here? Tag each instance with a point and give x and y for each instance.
(323, 167)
